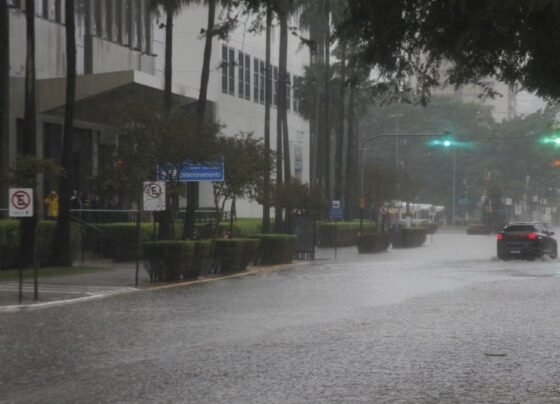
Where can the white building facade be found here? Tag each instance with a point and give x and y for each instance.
(120, 56)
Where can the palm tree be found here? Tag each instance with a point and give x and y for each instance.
(4, 86)
(267, 104)
(61, 247)
(315, 16)
(29, 126)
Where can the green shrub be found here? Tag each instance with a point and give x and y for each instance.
(234, 255)
(170, 261)
(346, 233)
(275, 248)
(203, 256)
(408, 237)
(45, 237)
(10, 242)
(117, 241)
(373, 242)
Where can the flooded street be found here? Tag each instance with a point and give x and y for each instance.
(446, 322)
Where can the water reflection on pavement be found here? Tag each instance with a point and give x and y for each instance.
(447, 322)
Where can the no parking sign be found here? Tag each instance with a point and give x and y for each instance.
(21, 202)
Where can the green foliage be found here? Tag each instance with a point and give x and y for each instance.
(416, 37)
(373, 242)
(298, 198)
(275, 248)
(408, 237)
(169, 261)
(345, 233)
(245, 169)
(233, 255)
(10, 242)
(24, 174)
(117, 241)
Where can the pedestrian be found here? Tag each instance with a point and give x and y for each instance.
(75, 201)
(52, 205)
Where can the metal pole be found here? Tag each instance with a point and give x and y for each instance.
(454, 173)
(362, 188)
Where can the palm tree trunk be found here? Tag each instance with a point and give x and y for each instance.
(168, 58)
(192, 187)
(283, 99)
(351, 160)
(326, 121)
(29, 129)
(4, 89)
(339, 152)
(165, 231)
(267, 102)
(61, 248)
(278, 216)
(205, 76)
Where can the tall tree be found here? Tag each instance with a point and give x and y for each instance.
(4, 87)
(29, 126)
(267, 105)
(61, 247)
(210, 32)
(340, 132)
(422, 38)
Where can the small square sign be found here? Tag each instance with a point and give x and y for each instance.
(20, 202)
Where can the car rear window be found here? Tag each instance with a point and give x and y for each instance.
(520, 227)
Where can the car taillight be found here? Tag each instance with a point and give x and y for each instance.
(500, 236)
(532, 236)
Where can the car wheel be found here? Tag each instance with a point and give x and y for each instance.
(554, 254)
(503, 256)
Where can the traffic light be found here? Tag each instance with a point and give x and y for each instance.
(551, 139)
(448, 141)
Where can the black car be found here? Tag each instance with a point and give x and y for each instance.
(526, 240)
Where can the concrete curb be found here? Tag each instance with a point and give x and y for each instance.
(57, 303)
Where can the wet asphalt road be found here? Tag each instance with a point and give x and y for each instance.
(443, 323)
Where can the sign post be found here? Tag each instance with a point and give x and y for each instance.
(153, 201)
(20, 204)
(336, 213)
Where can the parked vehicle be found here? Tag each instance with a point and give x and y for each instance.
(526, 241)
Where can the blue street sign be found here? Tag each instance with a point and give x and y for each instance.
(194, 172)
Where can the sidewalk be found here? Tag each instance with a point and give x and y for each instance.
(110, 279)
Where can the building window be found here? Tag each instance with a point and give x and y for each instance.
(288, 91)
(58, 11)
(297, 82)
(228, 70)
(148, 27)
(46, 9)
(259, 71)
(244, 74)
(275, 86)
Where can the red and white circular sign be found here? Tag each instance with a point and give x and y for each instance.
(21, 202)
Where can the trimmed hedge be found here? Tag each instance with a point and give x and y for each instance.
(408, 237)
(234, 255)
(117, 241)
(169, 261)
(275, 248)
(373, 243)
(346, 233)
(203, 256)
(10, 242)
